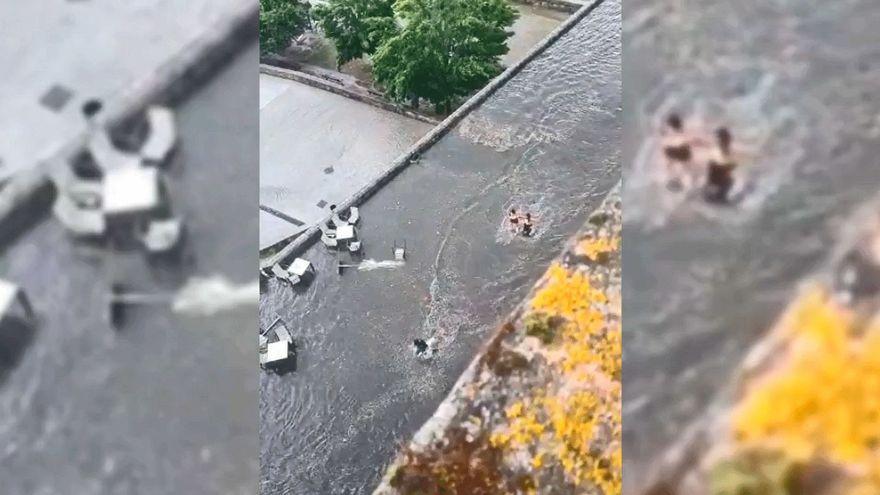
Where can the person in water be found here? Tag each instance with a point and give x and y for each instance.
(420, 347)
(425, 348)
(858, 275)
(676, 151)
(513, 218)
(527, 225)
(719, 178)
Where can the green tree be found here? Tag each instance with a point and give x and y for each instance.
(280, 22)
(446, 49)
(356, 27)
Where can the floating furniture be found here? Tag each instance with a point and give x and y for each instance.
(282, 333)
(14, 303)
(131, 190)
(354, 214)
(277, 350)
(298, 271)
(399, 250)
(328, 236)
(78, 208)
(107, 156)
(346, 234)
(276, 354)
(162, 136)
(162, 236)
(134, 198)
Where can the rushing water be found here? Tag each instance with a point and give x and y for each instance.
(798, 89)
(546, 142)
(166, 405)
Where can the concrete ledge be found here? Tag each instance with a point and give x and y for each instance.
(23, 198)
(319, 83)
(175, 80)
(305, 240)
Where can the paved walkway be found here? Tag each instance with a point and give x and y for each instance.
(57, 55)
(318, 148)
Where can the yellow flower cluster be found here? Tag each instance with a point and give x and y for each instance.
(823, 401)
(524, 427)
(593, 247)
(567, 420)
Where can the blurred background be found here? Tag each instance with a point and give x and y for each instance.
(128, 247)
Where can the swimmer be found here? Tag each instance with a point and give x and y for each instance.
(420, 347)
(719, 178)
(513, 218)
(676, 151)
(527, 225)
(858, 275)
(425, 349)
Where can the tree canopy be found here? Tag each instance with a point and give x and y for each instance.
(444, 49)
(280, 22)
(356, 27)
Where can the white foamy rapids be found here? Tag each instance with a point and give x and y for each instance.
(371, 264)
(206, 296)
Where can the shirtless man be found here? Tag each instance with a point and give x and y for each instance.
(513, 218)
(527, 225)
(858, 275)
(677, 152)
(720, 167)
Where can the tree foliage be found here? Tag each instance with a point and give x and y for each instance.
(280, 22)
(444, 50)
(356, 27)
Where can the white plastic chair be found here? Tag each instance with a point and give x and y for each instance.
(162, 135)
(162, 235)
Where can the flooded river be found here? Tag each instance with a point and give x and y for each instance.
(547, 142)
(91, 411)
(701, 283)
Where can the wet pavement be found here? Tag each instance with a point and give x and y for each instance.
(533, 25)
(58, 55)
(546, 142)
(92, 411)
(702, 283)
(318, 148)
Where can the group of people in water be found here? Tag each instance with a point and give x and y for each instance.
(689, 156)
(521, 224)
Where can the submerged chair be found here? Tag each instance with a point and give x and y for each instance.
(162, 235)
(162, 135)
(276, 347)
(296, 273)
(354, 214)
(399, 251)
(14, 302)
(71, 210)
(107, 156)
(328, 236)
